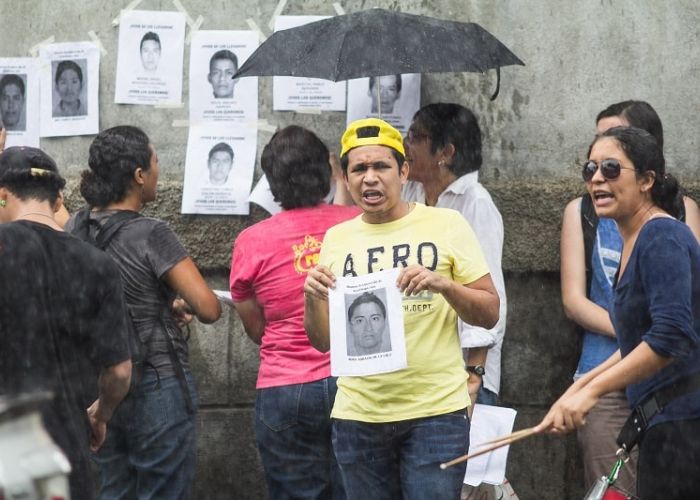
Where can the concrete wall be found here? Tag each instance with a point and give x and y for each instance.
(580, 56)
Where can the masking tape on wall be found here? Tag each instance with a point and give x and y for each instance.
(34, 51)
(93, 36)
(278, 10)
(254, 27)
(131, 6)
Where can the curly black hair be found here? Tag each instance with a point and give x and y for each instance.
(295, 162)
(114, 156)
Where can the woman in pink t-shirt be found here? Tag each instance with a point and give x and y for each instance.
(295, 391)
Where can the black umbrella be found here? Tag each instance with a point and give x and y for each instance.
(378, 42)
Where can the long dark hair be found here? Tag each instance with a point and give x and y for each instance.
(638, 114)
(114, 156)
(646, 155)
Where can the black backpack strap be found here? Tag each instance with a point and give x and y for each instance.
(589, 226)
(112, 226)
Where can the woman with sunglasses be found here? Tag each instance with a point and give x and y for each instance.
(588, 266)
(655, 313)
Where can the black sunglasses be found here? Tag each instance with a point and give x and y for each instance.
(610, 169)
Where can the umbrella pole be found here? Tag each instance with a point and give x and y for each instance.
(378, 85)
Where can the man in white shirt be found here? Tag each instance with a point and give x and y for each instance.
(443, 149)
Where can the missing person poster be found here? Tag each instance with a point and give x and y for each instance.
(292, 94)
(366, 325)
(215, 96)
(219, 170)
(149, 62)
(393, 98)
(19, 100)
(70, 76)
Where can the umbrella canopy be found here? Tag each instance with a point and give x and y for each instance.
(377, 42)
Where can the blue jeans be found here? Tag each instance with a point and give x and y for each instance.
(486, 397)
(293, 432)
(401, 460)
(150, 449)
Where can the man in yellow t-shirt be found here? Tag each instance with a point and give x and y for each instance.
(391, 431)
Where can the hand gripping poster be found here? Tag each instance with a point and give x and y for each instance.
(291, 93)
(393, 98)
(219, 170)
(19, 100)
(149, 62)
(70, 76)
(366, 325)
(215, 96)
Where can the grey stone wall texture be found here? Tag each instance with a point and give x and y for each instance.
(580, 56)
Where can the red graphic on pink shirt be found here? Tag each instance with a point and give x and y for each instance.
(306, 254)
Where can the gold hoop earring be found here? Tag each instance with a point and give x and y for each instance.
(3, 203)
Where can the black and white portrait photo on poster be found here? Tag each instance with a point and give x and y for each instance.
(219, 170)
(292, 93)
(393, 98)
(368, 329)
(215, 96)
(366, 325)
(149, 61)
(19, 100)
(70, 75)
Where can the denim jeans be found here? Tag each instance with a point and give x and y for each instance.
(150, 449)
(401, 460)
(486, 396)
(293, 432)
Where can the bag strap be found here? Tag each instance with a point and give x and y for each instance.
(652, 405)
(589, 225)
(105, 234)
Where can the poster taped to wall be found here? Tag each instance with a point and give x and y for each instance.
(393, 98)
(292, 94)
(70, 77)
(366, 325)
(19, 100)
(215, 56)
(149, 62)
(219, 170)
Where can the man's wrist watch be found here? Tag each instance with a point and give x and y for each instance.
(476, 370)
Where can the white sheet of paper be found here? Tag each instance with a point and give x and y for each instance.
(374, 343)
(291, 94)
(488, 423)
(397, 106)
(214, 96)
(149, 71)
(213, 183)
(70, 76)
(224, 297)
(19, 100)
(262, 196)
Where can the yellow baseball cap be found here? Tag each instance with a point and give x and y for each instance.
(372, 131)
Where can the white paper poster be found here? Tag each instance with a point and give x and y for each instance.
(214, 96)
(70, 76)
(366, 325)
(488, 422)
(219, 170)
(19, 100)
(393, 98)
(149, 63)
(291, 93)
